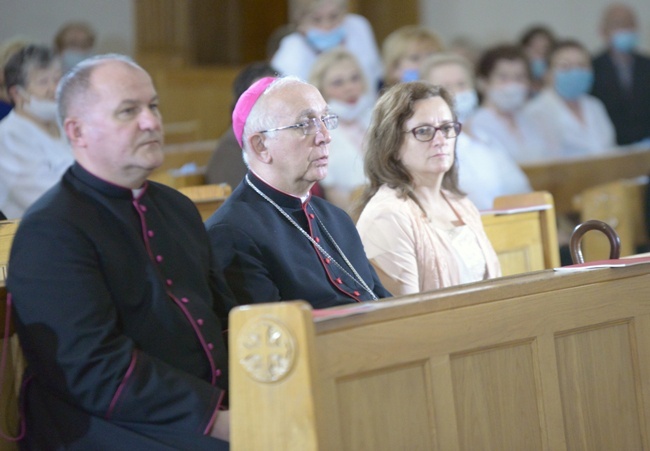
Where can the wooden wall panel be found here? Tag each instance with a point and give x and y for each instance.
(600, 405)
(361, 431)
(495, 391)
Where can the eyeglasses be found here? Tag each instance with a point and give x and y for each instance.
(312, 125)
(425, 133)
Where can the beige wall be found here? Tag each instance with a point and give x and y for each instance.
(40, 20)
(486, 22)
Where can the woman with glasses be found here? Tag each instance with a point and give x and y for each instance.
(418, 229)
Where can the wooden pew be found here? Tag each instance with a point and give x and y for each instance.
(207, 198)
(621, 204)
(14, 362)
(177, 156)
(541, 361)
(201, 93)
(522, 231)
(566, 178)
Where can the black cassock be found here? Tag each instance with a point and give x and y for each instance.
(117, 309)
(266, 258)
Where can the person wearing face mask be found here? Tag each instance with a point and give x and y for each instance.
(74, 42)
(339, 78)
(504, 80)
(404, 50)
(536, 43)
(323, 25)
(485, 170)
(621, 75)
(33, 152)
(574, 122)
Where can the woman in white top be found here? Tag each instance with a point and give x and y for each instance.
(33, 153)
(418, 229)
(339, 78)
(486, 170)
(323, 25)
(574, 122)
(504, 79)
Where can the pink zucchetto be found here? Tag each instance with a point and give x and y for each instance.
(245, 105)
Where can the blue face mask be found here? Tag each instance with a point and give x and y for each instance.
(570, 84)
(410, 75)
(325, 40)
(538, 68)
(625, 41)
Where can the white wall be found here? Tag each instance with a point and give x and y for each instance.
(491, 21)
(40, 20)
(485, 21)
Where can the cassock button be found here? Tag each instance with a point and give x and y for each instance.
(185, 300)
(311, 215)
(327, 260)
(317, 239)
(338, 280)
(143, 208)
(169, 282)
(159, 258)
(210, 346)
(150, 233)
(217, 372)
(199, 322)
(356, 293)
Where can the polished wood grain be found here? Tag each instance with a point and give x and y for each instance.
(540, 361)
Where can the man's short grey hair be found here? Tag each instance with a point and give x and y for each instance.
(75, 84)
(258, 119)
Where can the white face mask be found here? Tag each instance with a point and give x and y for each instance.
(353, 111)
(42, 109)
(510, 97)
(465, 102)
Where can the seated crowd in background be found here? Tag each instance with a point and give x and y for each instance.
(573, 122)
(486, 170)
(34, 154)
(339, 78)
(322, 25)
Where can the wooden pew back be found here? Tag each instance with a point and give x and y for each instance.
(207, 198)
(14, 362)
(523, 232)
(177, 156)
(565, 179)
(621, 204)
(542, 361)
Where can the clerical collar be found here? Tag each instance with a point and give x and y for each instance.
(101, 185)
(280, 197)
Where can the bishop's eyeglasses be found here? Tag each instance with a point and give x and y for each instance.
(425, 133)
(311, 126)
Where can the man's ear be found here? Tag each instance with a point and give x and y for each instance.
(258, 144)
(74, 131)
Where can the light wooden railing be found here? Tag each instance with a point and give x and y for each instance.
(523, 232)
(565, 179)
(542, 361)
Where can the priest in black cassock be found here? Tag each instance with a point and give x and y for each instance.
(274, 241)
(116, 301)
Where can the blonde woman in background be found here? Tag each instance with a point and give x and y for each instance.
(338, 76)
(418, 229)
(404, 50)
